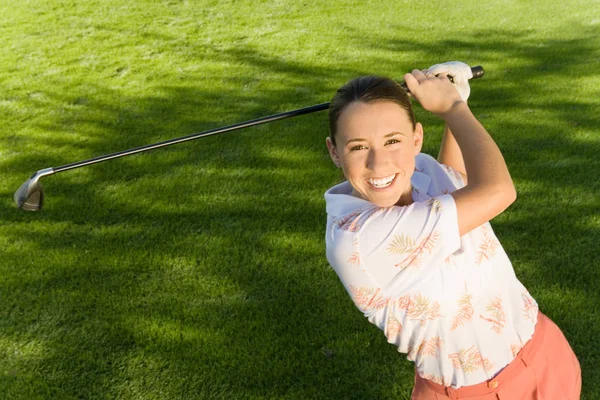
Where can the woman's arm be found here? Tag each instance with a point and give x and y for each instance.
(490, 189)
(450, 153)
(460, 72)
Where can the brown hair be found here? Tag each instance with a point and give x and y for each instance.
(368, 89)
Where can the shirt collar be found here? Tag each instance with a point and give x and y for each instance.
(420, 183)
(339, 200)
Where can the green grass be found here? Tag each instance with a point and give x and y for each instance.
(199, 271)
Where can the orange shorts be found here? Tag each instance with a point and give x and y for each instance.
(545, 369)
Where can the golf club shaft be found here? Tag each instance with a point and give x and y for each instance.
(477, 73)
(246, 124)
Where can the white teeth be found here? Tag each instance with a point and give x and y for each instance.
(382, 182)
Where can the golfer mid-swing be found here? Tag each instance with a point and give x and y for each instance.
(409, 238)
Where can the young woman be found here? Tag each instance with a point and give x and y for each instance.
(410, 241)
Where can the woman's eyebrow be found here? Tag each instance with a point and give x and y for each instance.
(394, 134)
(356, 140)
(389, 135)
(386, 136)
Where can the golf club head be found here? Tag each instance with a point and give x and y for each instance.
(30, 196)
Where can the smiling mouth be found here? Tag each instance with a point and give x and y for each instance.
(380, 183)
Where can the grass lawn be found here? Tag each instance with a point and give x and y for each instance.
(198, 271)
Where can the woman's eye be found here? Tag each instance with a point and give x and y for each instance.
(359, 147)
(392, 141)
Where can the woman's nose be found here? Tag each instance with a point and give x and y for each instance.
(375, 159)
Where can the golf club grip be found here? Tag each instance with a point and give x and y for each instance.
(477, 72)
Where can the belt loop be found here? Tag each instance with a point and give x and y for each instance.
(452, 393)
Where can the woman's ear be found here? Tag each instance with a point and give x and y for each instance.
(418, 137)
(333, 152)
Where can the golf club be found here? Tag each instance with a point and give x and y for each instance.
(30, 195)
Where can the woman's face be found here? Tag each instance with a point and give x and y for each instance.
(376, 148)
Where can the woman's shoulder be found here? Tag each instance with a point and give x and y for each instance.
(427, 163)
(446, 177)
(425, 159)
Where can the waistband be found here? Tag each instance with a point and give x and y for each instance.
(523, 359)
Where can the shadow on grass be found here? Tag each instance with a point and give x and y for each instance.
(199, 271)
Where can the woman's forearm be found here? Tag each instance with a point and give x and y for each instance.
(490, 189)
(482, 158)
(450, 153)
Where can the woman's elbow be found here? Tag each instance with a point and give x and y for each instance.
(508, 194)
(500, 197)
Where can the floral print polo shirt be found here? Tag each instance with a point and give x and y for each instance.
(453, 304)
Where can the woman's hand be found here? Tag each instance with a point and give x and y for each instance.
(460, 73)
(435, 93)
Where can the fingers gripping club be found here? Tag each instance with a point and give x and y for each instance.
(477, 73)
